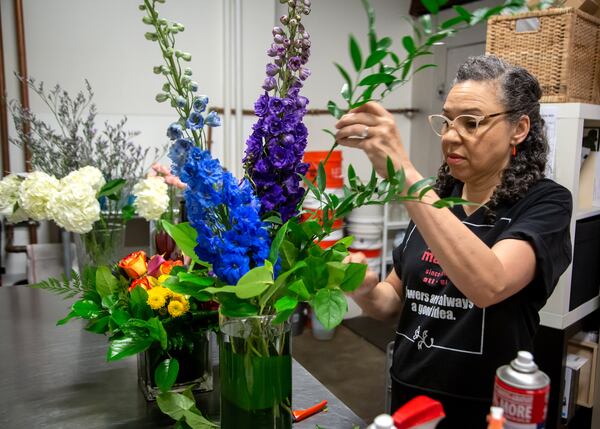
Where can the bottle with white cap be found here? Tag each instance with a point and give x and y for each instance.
(522, 390)
(496, 418)
(382, 421)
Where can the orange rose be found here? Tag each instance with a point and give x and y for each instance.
(167, 266)
(142, 282)
(134, 265)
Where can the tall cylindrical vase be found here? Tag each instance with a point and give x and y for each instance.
(103, 245)
(256, 373)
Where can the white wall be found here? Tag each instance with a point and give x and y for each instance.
(103, 41)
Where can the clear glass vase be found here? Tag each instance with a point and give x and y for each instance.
(103, 245)
(255, 372)
(195, 366)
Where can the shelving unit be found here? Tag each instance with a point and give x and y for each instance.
(388, 226)
(559, 322)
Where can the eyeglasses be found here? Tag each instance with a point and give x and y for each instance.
(465, 125)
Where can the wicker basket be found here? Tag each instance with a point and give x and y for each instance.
(562, 51)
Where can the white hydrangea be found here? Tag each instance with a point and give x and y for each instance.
(152, 198)
(75, 207)
(88, 175)
(9, 193)
(36, 190)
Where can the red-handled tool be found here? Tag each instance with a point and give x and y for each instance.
(300, 415)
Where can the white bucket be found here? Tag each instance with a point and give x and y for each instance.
(319, 331)
(310, 202)
(331, 239)
(366, 235)
(367, 214)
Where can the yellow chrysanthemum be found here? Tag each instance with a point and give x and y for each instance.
(177, 308)
(157, 297)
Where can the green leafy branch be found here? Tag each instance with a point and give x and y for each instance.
(65, 287)
(381, 70)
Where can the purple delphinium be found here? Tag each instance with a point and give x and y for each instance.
(274, 150)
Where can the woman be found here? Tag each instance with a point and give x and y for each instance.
(468, 282)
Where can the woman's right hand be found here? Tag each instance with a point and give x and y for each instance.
(371, 278)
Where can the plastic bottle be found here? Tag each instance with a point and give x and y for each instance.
(382, 421)
(496, 418)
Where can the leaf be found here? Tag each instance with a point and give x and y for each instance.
(346, 93)
(424, 66)
(288, 253)
(452, 22)
(127, 212)
(428, 181)
(194, 288)
(120, 316)
(406, 68)
(330, 306)
(196, 279)
(354, 276)
(196, 421)
(157, 331)
(464, 13)
(128, 346)
(431, 6)
(376, 79)
(255, 281)
(409, 44)
(286, 303)
(299, 288)
(425, 21)
(345, 75)
(450, 202)
(335, 272)
(69, 316)
(232, 306)
(138, 304)
(391, 170)
(86, 309)
(185, 237)
(335, 111)
(174, 404)
(106, 283)
(276, 243)
(165, 374)
(355, 53)
(321, 177)
(279, 283)
(375, 58)
(112, 188)
(98, 326)
(384, 43)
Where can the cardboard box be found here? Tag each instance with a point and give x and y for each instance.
(573, 367)
(587, 6)
(587, 372)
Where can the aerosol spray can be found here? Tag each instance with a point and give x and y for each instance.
(522, 391)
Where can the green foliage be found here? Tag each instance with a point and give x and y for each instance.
(182, 408)
(65, 287)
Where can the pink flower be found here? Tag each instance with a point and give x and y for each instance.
(154, 265)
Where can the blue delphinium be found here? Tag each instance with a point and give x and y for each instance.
(226, 216)
(183, 138)
(274, 150)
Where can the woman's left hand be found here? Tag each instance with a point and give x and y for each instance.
(372, 128)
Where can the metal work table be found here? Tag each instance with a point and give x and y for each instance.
(57, 376)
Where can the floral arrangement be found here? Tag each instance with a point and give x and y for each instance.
(111, 150)
(71, 202)
(129, 303)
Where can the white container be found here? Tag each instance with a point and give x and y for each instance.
(319, 331)
(366, 234)
(310, 202)
(367, 214)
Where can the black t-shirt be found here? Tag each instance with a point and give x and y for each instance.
(447, 345)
